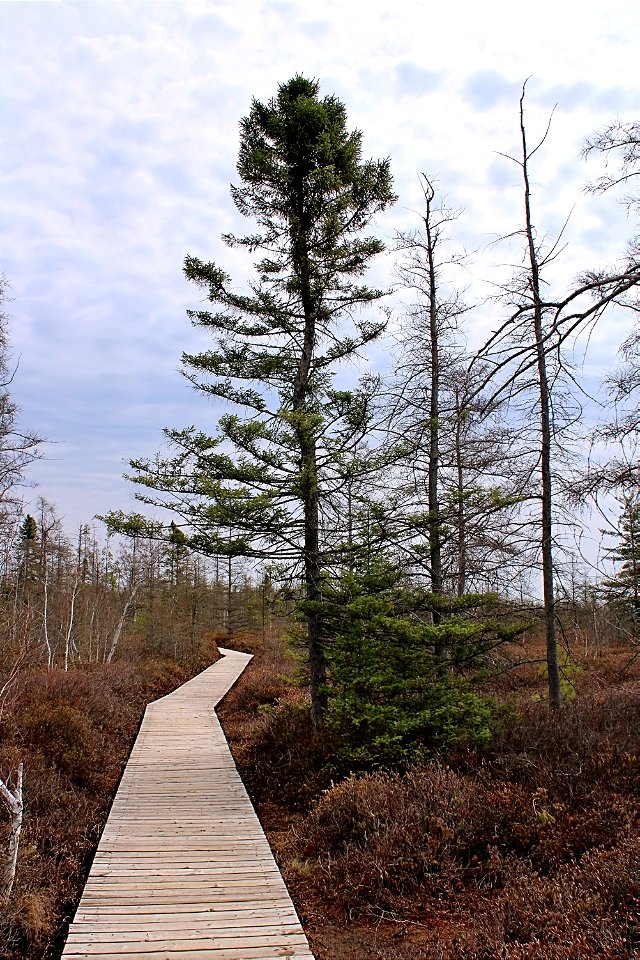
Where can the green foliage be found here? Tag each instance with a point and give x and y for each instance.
(134, 525)
(29, 552)
(276, 346)
(392, 701)
(260, 486)
(29, 529)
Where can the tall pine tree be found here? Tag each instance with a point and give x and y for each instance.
(259, 486)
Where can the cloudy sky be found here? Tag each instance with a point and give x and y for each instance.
(119, 127)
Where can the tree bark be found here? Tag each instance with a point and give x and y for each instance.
(115, 637)
(306, 434)
(317, 659)
(546, 491)
(68, 644)
(435, 545)
(13, 800)
(461, 579)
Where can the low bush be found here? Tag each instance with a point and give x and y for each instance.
(284, 759)
(64, 734)
(591, 741)
(587, 910)
(389, 844)
(533, 846)
(269, 677)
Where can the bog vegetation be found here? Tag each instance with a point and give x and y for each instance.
(440, 725)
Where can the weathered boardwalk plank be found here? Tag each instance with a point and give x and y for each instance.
(183, 870)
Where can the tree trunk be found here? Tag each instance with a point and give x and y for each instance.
(433, 470)
(45, 616)
(313, 579)
(461, 580)
(229, 596)
(13, 800)
(546, 492)
(305, 430)
(115, 637)
(69, 646)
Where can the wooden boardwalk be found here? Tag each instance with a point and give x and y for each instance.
(183, 870)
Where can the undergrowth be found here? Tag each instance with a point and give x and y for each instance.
(73, 731)
(525, 847)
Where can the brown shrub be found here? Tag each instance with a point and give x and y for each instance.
(65, 736)
(27, 923)
(245, 641)
(267, 679)
(594, 740)
(587, 910)
(284, 759)
(433, 832)
(260, 687)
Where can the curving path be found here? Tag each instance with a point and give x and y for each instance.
(183, 870)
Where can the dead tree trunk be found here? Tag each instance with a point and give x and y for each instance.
(115, 636)
(13, 800)
(544, 409)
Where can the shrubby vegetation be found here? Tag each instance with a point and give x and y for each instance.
(523, 845)
(73, 731)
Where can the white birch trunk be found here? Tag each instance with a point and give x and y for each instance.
(67, 644)
(45, 618)
(13, 800)
(120, 624)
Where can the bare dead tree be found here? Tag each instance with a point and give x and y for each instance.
(429, 353)
(526, 353)
(537, 312)
(458, 460)
(618, 143)
(117, 632)
(18, 447)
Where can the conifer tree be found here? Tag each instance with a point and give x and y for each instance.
(624, 587)
(29, 550)
(258, 487)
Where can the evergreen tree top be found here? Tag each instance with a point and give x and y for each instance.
(29, 528)
(301, 168)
